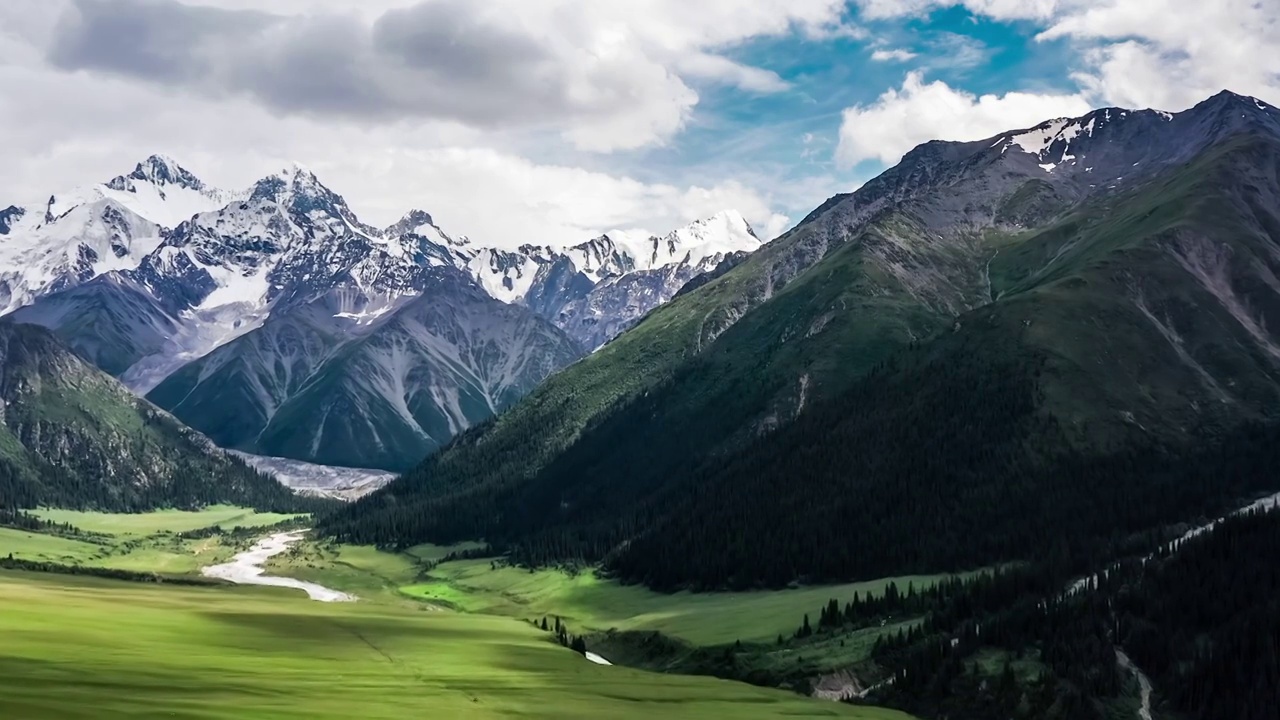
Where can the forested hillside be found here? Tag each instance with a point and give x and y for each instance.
(70, 436)
(1199, 619)
(980, 356)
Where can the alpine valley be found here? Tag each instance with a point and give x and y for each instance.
(276, 323)
(994, 435)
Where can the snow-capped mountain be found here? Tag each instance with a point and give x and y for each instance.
(376, 344)
(275, 321)
(1109, 144)
(72, 237)
(599, 288)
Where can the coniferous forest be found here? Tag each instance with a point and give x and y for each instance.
(1200, 619)
(930, 463)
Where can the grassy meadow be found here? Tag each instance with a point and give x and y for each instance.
(585, 601)
(141, 542)
(223, 516)
(79, 647)
(447, 639)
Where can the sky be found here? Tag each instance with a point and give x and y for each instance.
(551, 121)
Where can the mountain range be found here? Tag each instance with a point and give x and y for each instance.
(1031, 345)
(276, 322)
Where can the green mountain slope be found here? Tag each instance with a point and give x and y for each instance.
(968, 349)
(72, 436)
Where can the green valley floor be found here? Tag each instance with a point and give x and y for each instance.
(142, 542)
(88, 647)
(93, 648)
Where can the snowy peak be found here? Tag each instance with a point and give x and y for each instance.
(42, 253)
(158, 170)
(160, 190)
(1110, 141)
(1228, 99)
(419, 224)
(68, 238)
(221, 263)
(1052, 142)
(596, 289)
(412, 223)
(698, 244)
(299, 190)
(609, 255)
(706, 240)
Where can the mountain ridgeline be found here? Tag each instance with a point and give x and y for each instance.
(278, 323)
(1033, 345)
(71, 436)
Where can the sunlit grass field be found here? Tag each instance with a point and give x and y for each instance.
(224, 516)
(143, 542)
(77, 647)
(583, 600)
(589, 602)
(446, 640)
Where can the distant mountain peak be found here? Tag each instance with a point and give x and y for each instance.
(1228, 100)
(1229, 96)
(293, 175)
(417, 217)
(159, 170)
(413, 223)
(730, 222)
(297, 187)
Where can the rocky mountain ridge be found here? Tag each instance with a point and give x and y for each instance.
(286, 280)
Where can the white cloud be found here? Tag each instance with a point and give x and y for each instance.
(1166, 54)
(500, 198)
(494, 195)
(606, 76)
(998, 9)
(895, 55)
(1170, 54)
(505, 159)
(835, 30)
(722, 69)
(921, 111)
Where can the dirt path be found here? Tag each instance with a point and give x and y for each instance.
(246, 569)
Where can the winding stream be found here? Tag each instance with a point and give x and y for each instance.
(246, 569)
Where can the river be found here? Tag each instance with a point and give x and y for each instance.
(246, 569)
